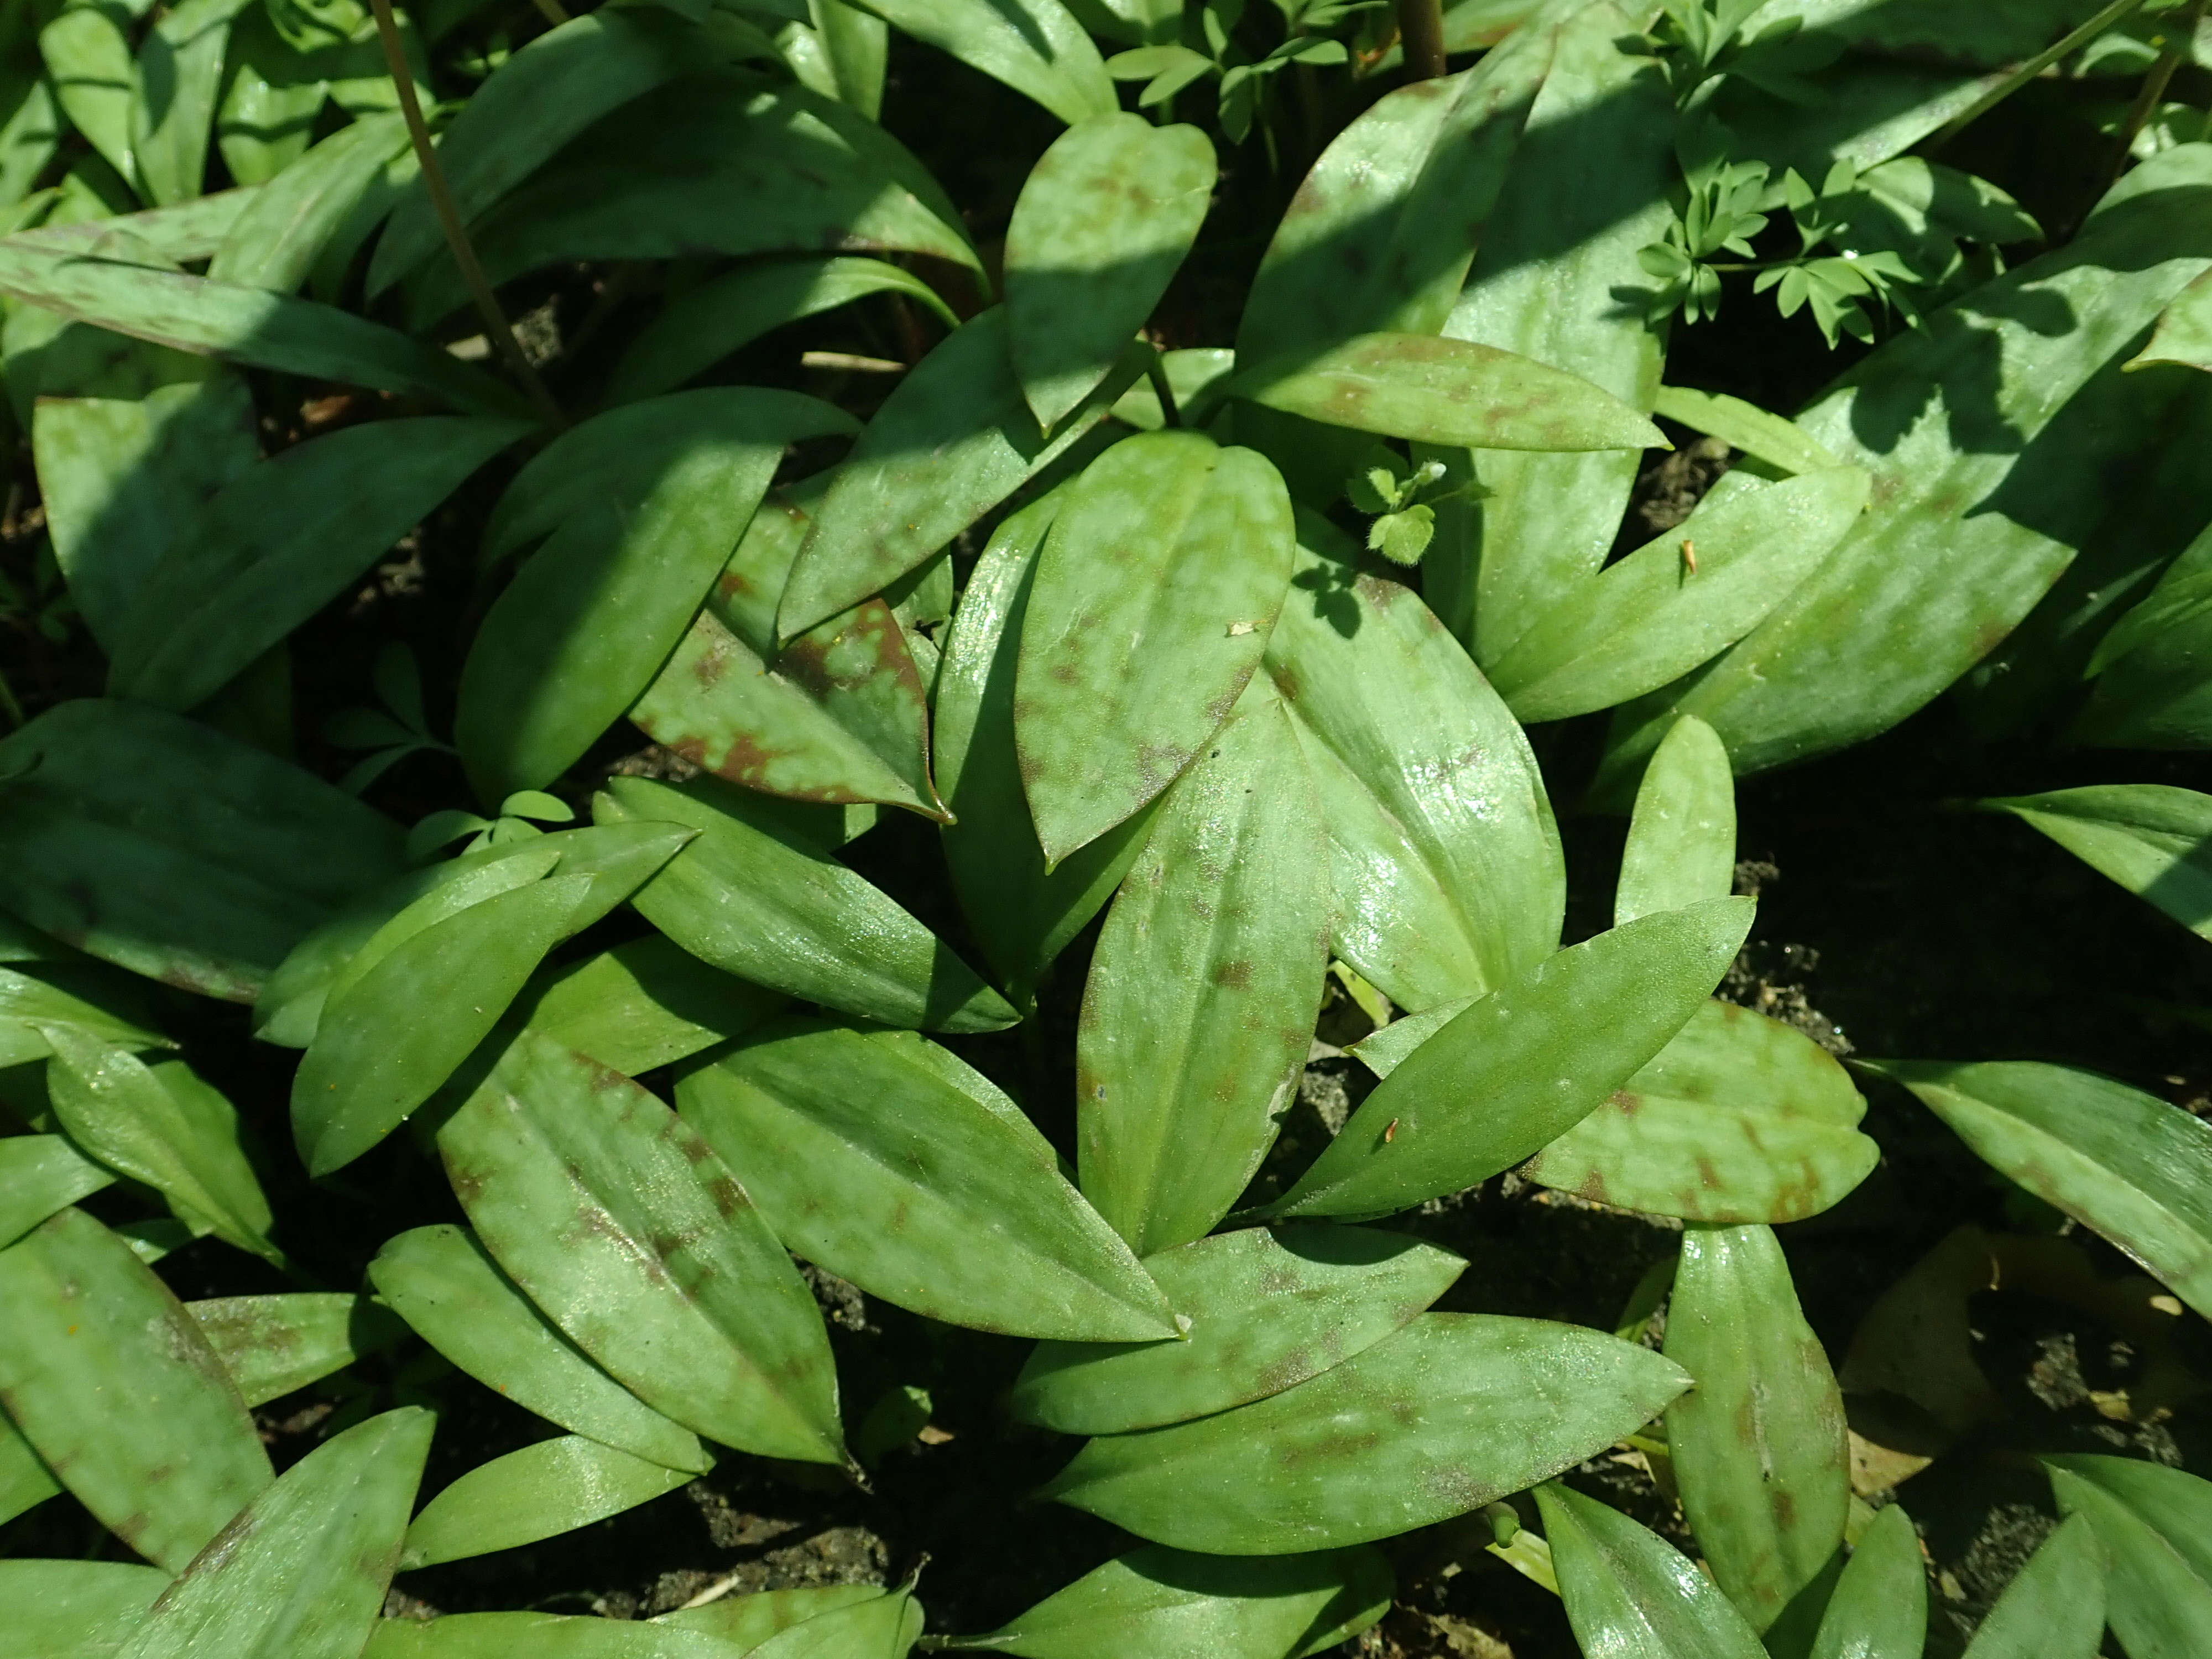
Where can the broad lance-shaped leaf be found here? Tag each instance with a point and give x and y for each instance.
(2154, 839)
(880, 1156)
(1453, 1412)
(280, 542)
(1204, 986)
(174, 95)
(746, 1621)
(1539, 1055)
(1439, 391)
(87, 55)
(25, 1479)
(272, 1345)
(591, 615)
(113, 1385)
(470, 880)
(758, 900)
(1588, 187)
(33, 999)
(1649, 618)
(1171, 1605)
(1267, 1308)
(1446, 863)
(40, 1175)
(952, 441)
(1102, 221)
(1757, 1446)
(276, 241)
(1034, 47)
(1681, 835)
(303, 1572)
(540, 1491)
(1739, 1118)
(163, 1125)
(675, 1285)
(1158, 585)
(1629, 1593)
(1984, 489)
(842, 714)
(541, 1635)
(1021, 912)
(2183, 335)
(444, 1284)
(383, 1048)
(886, 1625)
(1880, 1609)
(1770, 438)
(2054, 1608)
(71, 1607)
(644, 1004)
(2137, 1171)
(2155, 1524)
(2150, 691)
(167, 848)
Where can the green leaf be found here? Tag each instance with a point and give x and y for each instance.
(540, 1491)
(2183, 335)
(2134, 1169)
(746, 1621)
(1266, 1310)
(2153, 839)
(1402, 538)
(40, 1175)
(1446, 862)
(384, 1046)
(1631, 1594)
(1757, 1446)
(954, 439)
(1103, 222)
(644, 1004)
(1169, 539)
(443, 1282)
(168, 848)
(38, 998)
(1681, 838)
(278, 239)
(953, 1208)
(1649, 618)
(1880, 1609)
(2150, 679)
(272, 1345)
(75, 1609)
(87, 60)
(163, 1125)
(174, 95)
(113, 1385)
(1022, 910)
(2152, 1524)
(272, 97)
(698, 329)
(1445, 391)
(1542, 1052)
(540, 1635)
(301, 1573)
(1033, 46)
(461, 884)
(25, 1479)
(1169, 1605)
(281, 541)
(2054, 1608)
(1739, 1118)
(584, 626)
(885, 1624)
(758, 900)
(1453, 1412)
(676, 1284)
(1204, 986)
(1770, 438)
(841, 52)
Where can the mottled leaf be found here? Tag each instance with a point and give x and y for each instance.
(2054, 1608)
(40, 1175)
(2154, 1523)
(75, 1609)
(1033, 46)
(272, 1345)
(1682, 836)
(1451, 1412)
(540, 1491)
(1630, 1594)
(1880, 1609)
(644, 1004)
(2154, 839)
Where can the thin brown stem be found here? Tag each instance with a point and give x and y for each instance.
(1421, 27)
(1157, 372)
(449, 217)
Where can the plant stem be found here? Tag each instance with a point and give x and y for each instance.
(449, 217)
(1157, 372)
(2184, 31)
(1421, 29)
(2034, 67)
(552, 11)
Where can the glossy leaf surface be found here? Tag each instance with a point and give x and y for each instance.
(1880, 1609)
(1682, 836)
(272, 1345)
(2152, 1523)
(2054, 1608)
(1632, 1595)
(40, 1175)
(30, 1000)
(1033, 46)
(645, 1005)
(2152, 838)
(540, 1491)
(1451, 1412)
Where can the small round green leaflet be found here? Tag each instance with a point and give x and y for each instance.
(1682, 836)
(644, 1004)
(1738, 1118)
(869, 1156)
(39, 1174)
(1880, 1609)
(445, 1285)
(2149, 837)
(746, 1621)
(2155, 1525)
(2124, 1162)
(116, 1390)
(1629, 1593)
(621, 1224)
(1267, 1308)
(385, 1047)
(1539, 1056)
(272, 1345)
(540, 1491)
(1103, 221)
(540, 1636)
(1165, 1604)
(2054, 1608)
(301, 1573)
(1452, 1411)
(1758, 1446)
(1158, 585)
(64, 1608)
